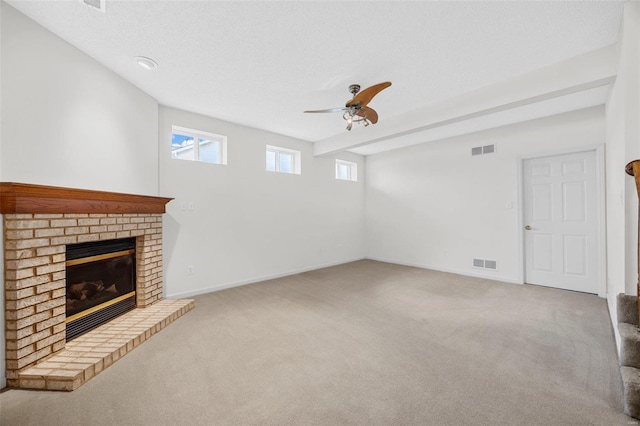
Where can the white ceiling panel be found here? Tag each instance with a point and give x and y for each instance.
(262, 63)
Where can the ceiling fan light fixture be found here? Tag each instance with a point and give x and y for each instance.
(349, 120)
(356, 109)
(146, 63)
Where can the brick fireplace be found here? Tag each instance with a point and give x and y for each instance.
(39, 223)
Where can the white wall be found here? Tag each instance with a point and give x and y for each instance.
(623, 145)
(68, 120)
(249, 224)
(3, 378)
(435, 206)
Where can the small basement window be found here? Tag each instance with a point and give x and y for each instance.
(196, 145)
(283, 160)
(346, 170)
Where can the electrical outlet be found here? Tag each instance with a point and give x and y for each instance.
(190, 270)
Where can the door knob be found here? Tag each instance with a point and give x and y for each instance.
(528, 228)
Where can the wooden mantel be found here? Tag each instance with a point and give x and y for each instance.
(28, 198)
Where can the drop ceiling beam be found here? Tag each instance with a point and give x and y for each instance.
(583, 72)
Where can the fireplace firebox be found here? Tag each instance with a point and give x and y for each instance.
(100, 281)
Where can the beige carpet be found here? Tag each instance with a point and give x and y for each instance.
(362, 343)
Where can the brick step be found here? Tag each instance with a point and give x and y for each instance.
(90, 354)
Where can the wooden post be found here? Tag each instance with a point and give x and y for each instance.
(633, 169)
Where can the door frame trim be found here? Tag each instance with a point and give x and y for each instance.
(600, 214)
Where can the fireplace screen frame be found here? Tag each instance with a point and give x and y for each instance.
(102, 254)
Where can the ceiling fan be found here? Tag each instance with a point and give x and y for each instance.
(356, 109)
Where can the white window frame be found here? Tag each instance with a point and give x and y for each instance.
(197, 135)
(297, 166)
(353, 170)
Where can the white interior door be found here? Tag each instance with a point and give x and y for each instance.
(561, 223)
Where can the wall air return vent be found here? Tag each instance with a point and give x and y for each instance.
(485, 264)
(96, 4)
(490, 264)
(478, 263)
(480, 150)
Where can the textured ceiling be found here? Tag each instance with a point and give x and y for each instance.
(262, 63)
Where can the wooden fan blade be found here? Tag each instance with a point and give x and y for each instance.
(328, 110)
(370, 114)
(365, 96)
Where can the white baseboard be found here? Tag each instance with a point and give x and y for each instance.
(487, 275)
(255, 280)
(612, 307)
(219, 287)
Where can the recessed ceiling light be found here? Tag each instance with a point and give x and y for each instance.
(96, 4)
(145, 62)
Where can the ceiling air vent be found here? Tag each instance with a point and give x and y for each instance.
(480, 150)
(96, 4)
(488, 149)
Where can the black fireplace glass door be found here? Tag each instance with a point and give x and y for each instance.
(96, 282)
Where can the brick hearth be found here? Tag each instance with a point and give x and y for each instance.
(35, 280)
(93, 352)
